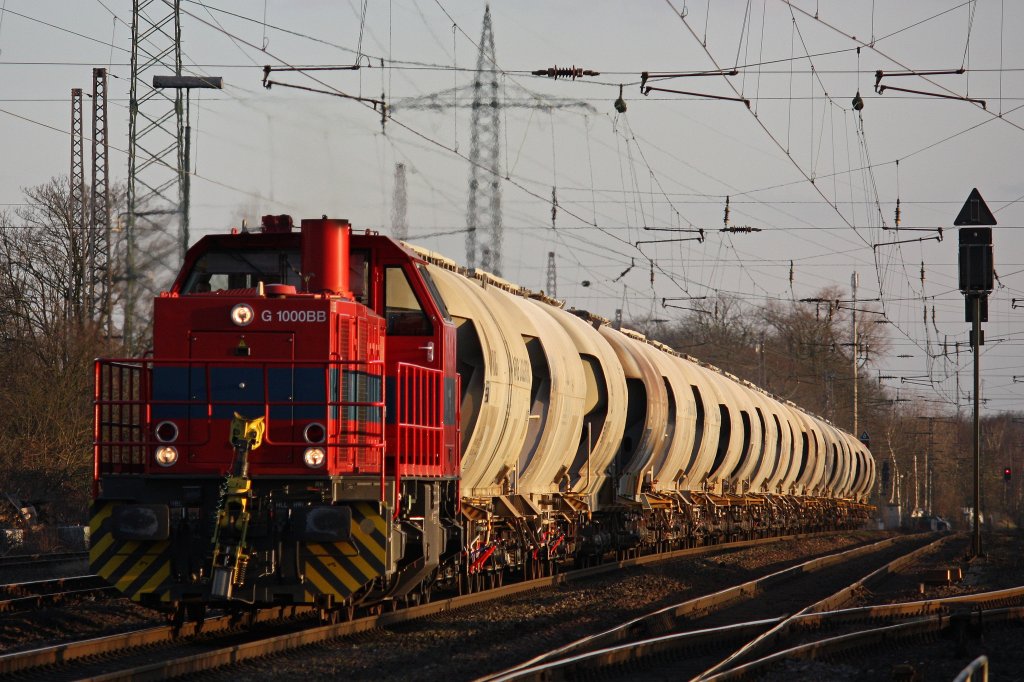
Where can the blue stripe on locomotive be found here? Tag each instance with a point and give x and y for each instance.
(293, 393)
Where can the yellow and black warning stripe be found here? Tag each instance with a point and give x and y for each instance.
(133, 568)
(340, 568)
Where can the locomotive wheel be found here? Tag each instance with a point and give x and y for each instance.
(329, 616)
(176, 618)
(197, 614)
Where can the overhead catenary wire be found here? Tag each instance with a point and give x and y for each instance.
(651, 196)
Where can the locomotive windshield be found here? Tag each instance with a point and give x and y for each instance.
(225, 270)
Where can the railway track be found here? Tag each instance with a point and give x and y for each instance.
(160, 652)
(895, 634)
(37, 594)
(20, 561)
(695, 638)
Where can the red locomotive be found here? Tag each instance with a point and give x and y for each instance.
(335, 419)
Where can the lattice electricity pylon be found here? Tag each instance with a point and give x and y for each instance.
(484, 187)
(100, 261)
(552, 287)
(155, 130)
(76, 202)
(400, 205)
(484, 207)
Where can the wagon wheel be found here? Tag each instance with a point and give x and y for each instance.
(329, 616)
(176, 618)
(197, 614)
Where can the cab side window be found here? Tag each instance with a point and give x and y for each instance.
(359, 275)
(402, 310)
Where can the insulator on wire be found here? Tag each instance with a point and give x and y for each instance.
(620, 104)
(572, 72)
(897, 212)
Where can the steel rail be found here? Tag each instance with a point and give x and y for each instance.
(927, 616)
(770, 639)
(858, 640)
(16, 560)
(68, 652)
(978, 665)
(39, 586)
(909, 609)
(36, 601)
(669, 617)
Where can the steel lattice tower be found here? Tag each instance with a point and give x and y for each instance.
(76, 197)
(483, 213)
(552, 288)
(400, 205)
(155, 129)
(100, 279)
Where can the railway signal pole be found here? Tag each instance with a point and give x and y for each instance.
(976, 281)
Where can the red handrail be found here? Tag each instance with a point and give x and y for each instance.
(123, 407)
(420, 417)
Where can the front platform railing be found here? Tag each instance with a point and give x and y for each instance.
(133, 396)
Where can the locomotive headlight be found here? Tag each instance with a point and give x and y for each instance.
(314, 433)
(166, 455)
(242, 314)
(167, 432)
(314, 457)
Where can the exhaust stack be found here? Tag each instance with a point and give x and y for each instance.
(325, 256)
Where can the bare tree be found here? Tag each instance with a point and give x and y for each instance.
(50, 331)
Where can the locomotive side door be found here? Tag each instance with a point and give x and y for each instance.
(411, 331)
(421, 386)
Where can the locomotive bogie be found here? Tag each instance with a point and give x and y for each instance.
(302, 547)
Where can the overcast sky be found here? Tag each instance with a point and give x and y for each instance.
(818, 179)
